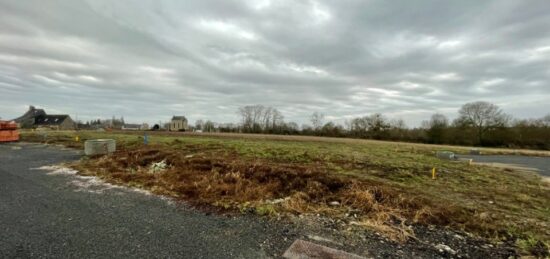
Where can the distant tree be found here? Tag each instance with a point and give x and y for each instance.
(292, 127)
(398, 124)
(317, 120)
(246, 117)
(277, 120)
(436, 128)
(330, 129)
(258, 118)
(199, 124)
(227, 127)
(266, 118)
(398, 129)
(377, 126)
(358, 127)
(347, 125)
(307, 129)
(209, 126)
(483, 117)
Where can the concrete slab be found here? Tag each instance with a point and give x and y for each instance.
(301, 249)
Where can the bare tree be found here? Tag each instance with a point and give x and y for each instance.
(482, 116)
(257, 115)
(266, 118)
(277, 118)
(199, 124)
(246, 116)
(398, 129)
(293, 126)
(347, 125)
(398, 124)
(259, 118)
(359, 127)
(251, 117)
(209, 126)
(317, 120)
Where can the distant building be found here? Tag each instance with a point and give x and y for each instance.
(143, 126)
(131, 127)
(178, 123)
(27, 120)
(57, 122)
(37, 118)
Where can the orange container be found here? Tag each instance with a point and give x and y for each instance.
(8, 131)
(8, 125)
(8, 136)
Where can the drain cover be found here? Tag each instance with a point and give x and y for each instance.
(301, 249)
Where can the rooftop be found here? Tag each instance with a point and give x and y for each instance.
(50, 119)
(179, 118)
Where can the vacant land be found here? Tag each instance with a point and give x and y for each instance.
(383, 186)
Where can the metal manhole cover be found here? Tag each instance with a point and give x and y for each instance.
(301, 249)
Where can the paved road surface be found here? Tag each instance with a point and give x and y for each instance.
(46, 216)
(542, 164)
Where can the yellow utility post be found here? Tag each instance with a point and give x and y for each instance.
(433, 173)
(77, 138)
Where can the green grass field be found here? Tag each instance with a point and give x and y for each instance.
(388, 185)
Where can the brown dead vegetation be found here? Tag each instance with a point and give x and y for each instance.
(231, 182)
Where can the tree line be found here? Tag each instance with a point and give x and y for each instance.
(478, 124)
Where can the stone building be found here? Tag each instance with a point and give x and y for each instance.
(37, 118)
(178, 123)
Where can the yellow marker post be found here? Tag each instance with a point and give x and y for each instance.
(433, 173)
(76, 138)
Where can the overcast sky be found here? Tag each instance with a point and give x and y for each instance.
(149, 60)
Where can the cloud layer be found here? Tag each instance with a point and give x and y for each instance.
(149, 60)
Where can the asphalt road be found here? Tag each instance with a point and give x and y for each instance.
(541, 164)
(50, 216)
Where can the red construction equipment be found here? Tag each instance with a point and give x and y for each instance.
(8, 131)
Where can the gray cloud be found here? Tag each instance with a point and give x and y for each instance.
(149, 60)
